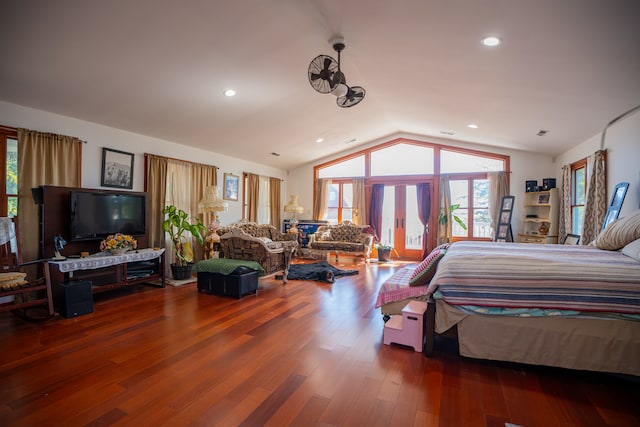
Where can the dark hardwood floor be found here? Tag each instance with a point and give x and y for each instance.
(306, 353)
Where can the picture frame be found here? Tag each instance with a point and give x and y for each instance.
(507, 203)
(543, 199)
(502, 231)
(617, 198)
(572, 239)
(505, 217)
(231, 183)
(117, 169)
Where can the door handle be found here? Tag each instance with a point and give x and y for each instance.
(402, 222)
(396, 222)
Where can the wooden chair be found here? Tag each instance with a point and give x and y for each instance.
(25, 293)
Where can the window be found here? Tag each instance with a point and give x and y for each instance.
(472, 196)
(457, 162)
(9, 159)
(347, 168)
(340, 203)
(402, 159)
(578, 194)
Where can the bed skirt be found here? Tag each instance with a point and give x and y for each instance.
(591, 344)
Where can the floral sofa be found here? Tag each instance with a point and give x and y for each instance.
(262, 243)
(343, 238)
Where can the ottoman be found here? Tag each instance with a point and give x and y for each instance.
(228, 277)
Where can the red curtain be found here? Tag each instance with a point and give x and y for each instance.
(424, 211)
(375, 210)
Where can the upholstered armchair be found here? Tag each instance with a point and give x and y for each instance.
(262, 243)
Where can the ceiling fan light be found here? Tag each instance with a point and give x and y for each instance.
(340, 90)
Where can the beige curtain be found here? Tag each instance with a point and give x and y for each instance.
(156, 186)
(320, 203)
(253, 196)
(275, 202)
(564, 221)
(43, 159)
(202, 176)
(498, 188)
(595, 204)
(359, 202)
(178, 193)
(444, 230)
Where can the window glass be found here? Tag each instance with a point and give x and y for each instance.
(481, 218)
(402, 159)
(455, 162)
(348, 168)
(459, 196)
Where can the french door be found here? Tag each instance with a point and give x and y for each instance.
(401, 225)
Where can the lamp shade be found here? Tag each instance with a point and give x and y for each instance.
(293, 206)
(211, 202)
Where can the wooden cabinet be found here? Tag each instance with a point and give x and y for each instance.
(541, 217)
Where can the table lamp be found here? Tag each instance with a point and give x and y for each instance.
(294, 208)
(212, 203)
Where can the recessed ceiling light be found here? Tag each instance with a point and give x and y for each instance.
(472, 126)
(491, 41)
(229, 92)
(320, 140)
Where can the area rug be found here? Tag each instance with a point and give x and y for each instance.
(321, 271)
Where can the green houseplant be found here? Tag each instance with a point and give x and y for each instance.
(177, 223)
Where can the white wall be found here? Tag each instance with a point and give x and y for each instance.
(524, 166)
(99, 136)
(622, 143)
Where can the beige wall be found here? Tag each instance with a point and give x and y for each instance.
(622, 142)
(99, 136)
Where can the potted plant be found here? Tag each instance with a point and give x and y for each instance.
(177, 223)
(384, 252)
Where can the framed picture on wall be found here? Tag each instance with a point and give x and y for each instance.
(231, 186)
(117, 169)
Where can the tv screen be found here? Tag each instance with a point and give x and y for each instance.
(96, 215)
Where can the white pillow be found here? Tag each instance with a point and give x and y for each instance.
(632, 250)
(619, 233)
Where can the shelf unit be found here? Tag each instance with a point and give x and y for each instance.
(540, 211)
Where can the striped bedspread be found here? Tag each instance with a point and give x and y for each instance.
(561, 277)
(397, 288)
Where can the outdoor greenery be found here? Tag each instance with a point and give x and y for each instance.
(12, 182)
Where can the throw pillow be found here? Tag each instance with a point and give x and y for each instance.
(632, 250)
(425, 271)
(619, 233)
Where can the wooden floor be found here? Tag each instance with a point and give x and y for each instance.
(305, 354)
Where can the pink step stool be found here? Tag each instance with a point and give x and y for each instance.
(406, 329)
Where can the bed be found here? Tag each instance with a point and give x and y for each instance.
(574, 307)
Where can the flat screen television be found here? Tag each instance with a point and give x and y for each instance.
(95, 215)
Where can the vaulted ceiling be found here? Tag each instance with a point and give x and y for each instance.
(159, 68)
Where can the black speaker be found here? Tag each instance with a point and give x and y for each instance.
(36, 192)
(77, 298)
(548, 183)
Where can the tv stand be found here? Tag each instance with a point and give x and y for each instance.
(107, 272)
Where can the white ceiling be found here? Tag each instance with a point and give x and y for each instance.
(159, 68)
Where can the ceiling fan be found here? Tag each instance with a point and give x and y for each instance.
(325, 76)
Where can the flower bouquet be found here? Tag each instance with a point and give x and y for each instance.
(118, 243)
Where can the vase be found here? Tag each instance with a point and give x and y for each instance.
(120, 251)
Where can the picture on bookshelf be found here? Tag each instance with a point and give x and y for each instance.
(543, 199)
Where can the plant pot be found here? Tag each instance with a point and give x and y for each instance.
(384, 255)
(181, 272)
